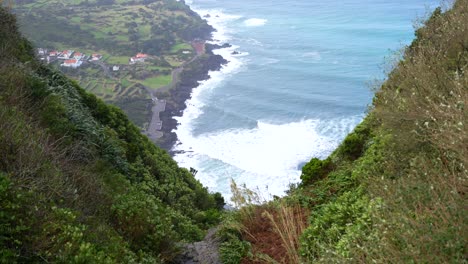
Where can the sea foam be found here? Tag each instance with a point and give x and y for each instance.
(266, 156)
(255, 22)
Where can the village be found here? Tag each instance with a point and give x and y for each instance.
(75, 59)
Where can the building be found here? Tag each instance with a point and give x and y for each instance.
(41, 52)
(54, 53)
(72, 63)
(96, 57)
(66, 54)
(78, 55)
(115, 68)
(140, 57)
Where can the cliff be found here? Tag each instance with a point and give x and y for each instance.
(78, 182)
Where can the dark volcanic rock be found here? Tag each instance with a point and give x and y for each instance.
(205, 251)
(211, 47)
(192, 74)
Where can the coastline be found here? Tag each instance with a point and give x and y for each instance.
(176, 97)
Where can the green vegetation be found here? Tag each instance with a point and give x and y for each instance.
(118, 60)
(157, 82)
(78, 182)
(181, 46)
(394, 190)
(149, 26)
(117, 30)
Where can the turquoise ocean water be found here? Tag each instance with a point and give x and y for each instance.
(299, 84)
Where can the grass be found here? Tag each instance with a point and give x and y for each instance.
(157, 82)
(181, 46)
(173, 61)
(158, 68)
(117, 60)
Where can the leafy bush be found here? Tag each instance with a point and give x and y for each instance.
(233, 251)
(144, 222)
(12, 223)
(315, 170)
(336, 225)
(353, 145)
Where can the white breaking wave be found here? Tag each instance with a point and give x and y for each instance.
(268, 155)
(255, 22)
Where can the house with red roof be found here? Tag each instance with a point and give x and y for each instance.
(78, 55)
(140, 57)
(66, 54)
(72, 63)
(96, 57)
(54, 53)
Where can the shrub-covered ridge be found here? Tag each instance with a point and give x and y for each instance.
(394, 190)
(78, 181)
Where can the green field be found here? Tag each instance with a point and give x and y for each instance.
(181, 46)
(157, 82)
(118, 60)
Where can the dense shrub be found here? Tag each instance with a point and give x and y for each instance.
(315, 169)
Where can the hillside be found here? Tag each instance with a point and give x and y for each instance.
(78, 182)
(165, 32)
(395, 190)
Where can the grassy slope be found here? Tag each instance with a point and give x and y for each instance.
(78, 182)
(394, 191)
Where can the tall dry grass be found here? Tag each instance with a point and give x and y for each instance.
(289, 222)
(262, 221)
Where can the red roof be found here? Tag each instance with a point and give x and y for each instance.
(78, 54)
(96, 55)
(141, 55)
(70, 61)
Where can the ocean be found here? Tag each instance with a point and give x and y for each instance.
(298, 81)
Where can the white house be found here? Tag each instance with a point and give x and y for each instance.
(72, 63)
(41, 51)
(96, 57)
(78, 55)
(140, 57)
(66, 54)
(54, 53)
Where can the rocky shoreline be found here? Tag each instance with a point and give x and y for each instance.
(177, 97)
